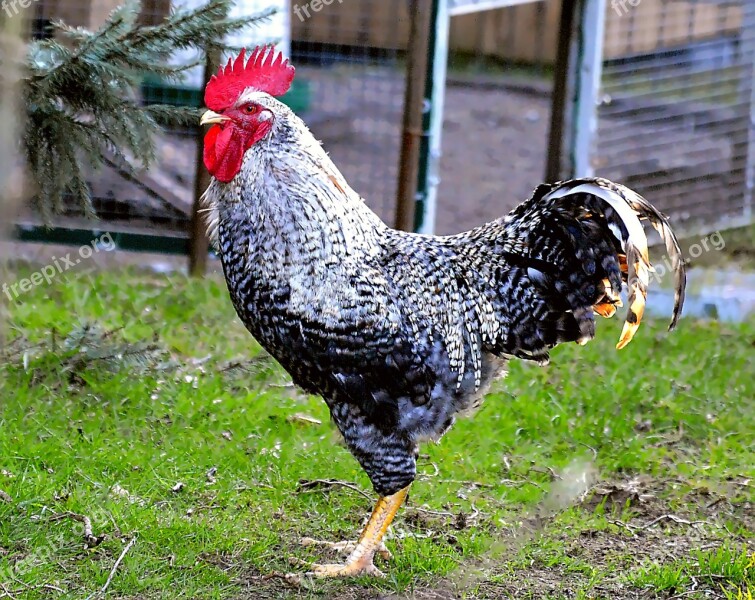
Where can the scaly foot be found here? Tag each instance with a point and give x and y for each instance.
(345, 547)
(349, 569)
(359, 561)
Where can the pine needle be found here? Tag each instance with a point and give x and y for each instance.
(81, 100)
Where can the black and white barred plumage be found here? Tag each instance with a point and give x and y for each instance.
(400, 332)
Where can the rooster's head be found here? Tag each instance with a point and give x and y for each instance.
(241, 107)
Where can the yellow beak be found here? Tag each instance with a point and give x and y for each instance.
(212, 117)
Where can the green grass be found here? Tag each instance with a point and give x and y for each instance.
(107, 424)
(733, 566)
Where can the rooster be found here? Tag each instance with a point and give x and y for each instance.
(400, 332)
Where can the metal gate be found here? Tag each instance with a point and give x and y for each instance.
(659, 96)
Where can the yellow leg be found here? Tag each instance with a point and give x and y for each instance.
(359, 561)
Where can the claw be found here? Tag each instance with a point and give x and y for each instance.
(346, 570)
(346, 547)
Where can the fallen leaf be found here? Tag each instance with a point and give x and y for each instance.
(303, 418)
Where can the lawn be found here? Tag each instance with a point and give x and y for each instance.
(148, 447)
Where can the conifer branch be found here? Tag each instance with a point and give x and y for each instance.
(80, 94)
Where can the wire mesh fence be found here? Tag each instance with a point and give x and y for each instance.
(354, 55)
(497, 109)
(675, 121)
(676, 118)
(351, 57)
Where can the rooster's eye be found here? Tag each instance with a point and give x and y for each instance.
(250, 109)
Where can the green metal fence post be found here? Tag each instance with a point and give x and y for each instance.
(432, 119)
(575, 93)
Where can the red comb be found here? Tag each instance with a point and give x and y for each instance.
(266, 71)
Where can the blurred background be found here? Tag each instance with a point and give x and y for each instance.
(675, 108)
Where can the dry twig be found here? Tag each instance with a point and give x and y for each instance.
(468, 483)
(293, 579)
(43, 586)
(310, 485)
(633, 529)
(427, 511)
(673, 518)
(109, 580)
(90, 539)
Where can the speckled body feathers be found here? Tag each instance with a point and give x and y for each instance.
(401, 332)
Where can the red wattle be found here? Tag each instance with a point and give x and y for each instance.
(223, 153)
(208, 152)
